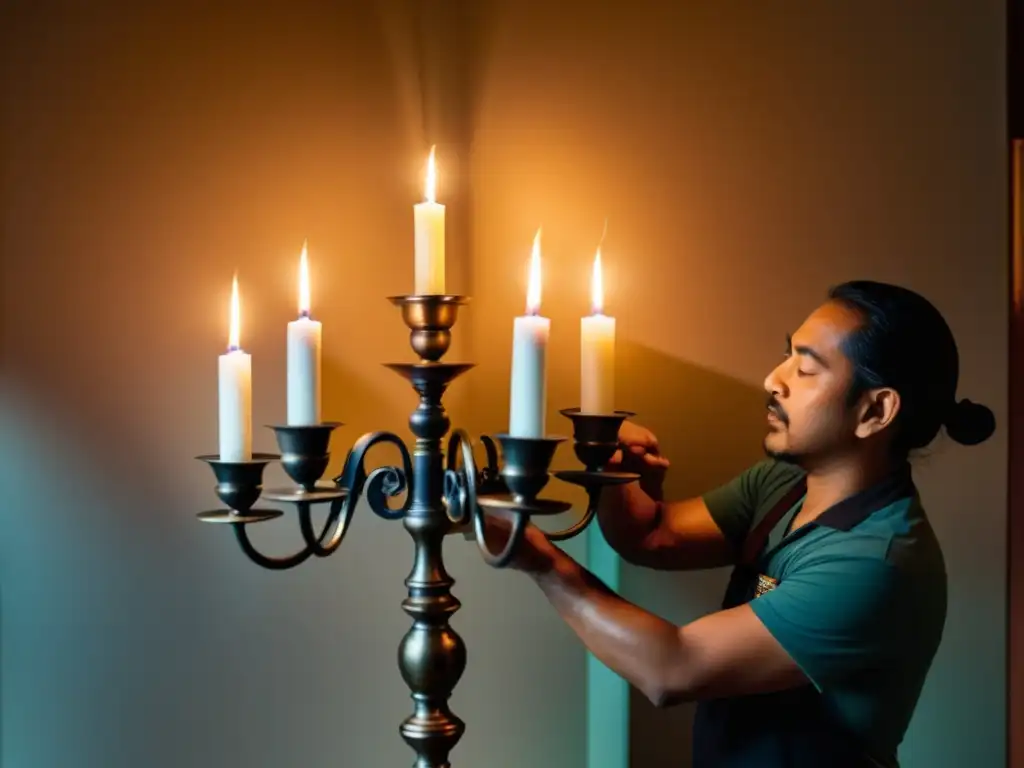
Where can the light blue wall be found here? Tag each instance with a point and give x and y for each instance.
(607, 693)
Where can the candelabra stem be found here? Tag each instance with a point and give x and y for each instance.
(432, 656)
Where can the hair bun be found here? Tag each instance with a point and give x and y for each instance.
(970, 423)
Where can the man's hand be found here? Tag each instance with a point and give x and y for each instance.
(638, 447)
(639, 452)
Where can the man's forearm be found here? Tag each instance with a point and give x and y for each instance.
(641, 647)
(627, 516)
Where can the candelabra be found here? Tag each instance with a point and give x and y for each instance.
(445, 493)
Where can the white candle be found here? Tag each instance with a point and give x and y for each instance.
(428, 218)
(235, 392)
(597, 351)
(528, 406)
(304, 368)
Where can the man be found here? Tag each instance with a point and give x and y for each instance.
(837, 600)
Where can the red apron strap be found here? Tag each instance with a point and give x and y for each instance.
(758, 535)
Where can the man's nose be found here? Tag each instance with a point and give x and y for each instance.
(774, 383)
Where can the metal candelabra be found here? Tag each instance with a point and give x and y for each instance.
(447, 493)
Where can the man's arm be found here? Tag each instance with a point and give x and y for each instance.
(724, 654)
(666, 535)
(689, 534)
(836, 615)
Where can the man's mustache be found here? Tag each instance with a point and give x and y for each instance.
(774, 407)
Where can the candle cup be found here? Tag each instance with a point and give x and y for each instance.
(595, 440)
(430, 319)
(525, 472)
(595, 436)
(239, 484)
(304, 451)
(527, 461)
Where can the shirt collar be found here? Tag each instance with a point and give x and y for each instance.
(855, 509)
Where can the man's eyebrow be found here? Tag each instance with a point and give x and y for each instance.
(806, 351)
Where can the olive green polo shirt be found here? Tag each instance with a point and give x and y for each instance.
(857, 598)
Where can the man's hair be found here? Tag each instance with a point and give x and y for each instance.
(904, 343)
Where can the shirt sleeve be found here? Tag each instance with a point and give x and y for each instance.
(734, 506)
(835, 616)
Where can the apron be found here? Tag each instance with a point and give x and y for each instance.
(786, 729)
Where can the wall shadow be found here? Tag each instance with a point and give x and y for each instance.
(711, 427)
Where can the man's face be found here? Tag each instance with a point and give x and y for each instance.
(809, 414)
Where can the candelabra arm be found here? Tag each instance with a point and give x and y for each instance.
(381, 484)
(462, 484)
(334, 530)
(266, 561)
(515, 536)
(593, 499)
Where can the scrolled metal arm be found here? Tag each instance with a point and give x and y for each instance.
(337, 525)
(462, 484)
(503, 558)
(380, 485)
(593, 498)
(266, 561)
(333, 532)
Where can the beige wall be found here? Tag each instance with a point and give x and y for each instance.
(747, 158)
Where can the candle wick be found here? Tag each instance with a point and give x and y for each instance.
(304, 314)
(234, 348)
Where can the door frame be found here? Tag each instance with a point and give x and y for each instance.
(1015, 454)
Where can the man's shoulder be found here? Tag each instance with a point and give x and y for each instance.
(896, 541)
(768, 480)
(745, 498)
(911, 542)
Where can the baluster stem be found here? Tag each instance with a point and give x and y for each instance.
(432, 656)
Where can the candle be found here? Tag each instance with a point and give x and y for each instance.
(529, 360)
(235, 392)
(304, 369)
(597, 351)
(428, 217)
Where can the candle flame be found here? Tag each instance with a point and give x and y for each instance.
(597, 286)
(304, 302)
(533, 286)
(430, 186)
(236, 315)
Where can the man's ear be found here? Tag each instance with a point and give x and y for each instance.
(878, 410)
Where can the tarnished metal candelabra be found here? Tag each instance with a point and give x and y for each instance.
(447, 493)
